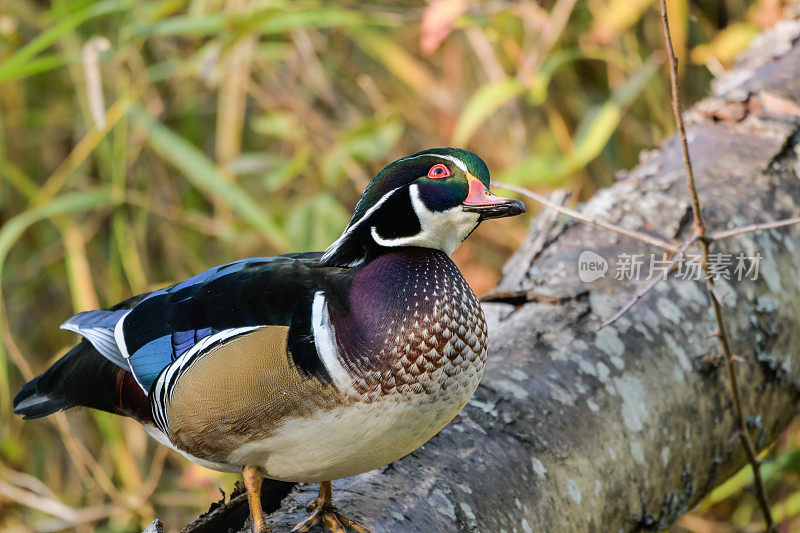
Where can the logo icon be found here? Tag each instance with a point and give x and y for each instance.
(591, 266)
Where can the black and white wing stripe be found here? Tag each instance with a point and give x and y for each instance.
(164, 385)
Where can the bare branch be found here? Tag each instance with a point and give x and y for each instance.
(705, 242)
(650, 286)
(676, 109)
(719, 235)
(594, 221)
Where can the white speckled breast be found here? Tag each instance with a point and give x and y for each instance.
(410, 352)
(415, 330)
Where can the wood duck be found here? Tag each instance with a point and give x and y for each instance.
(304, 367)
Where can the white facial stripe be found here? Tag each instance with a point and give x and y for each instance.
(443, 230)
(459, 163)
(325, 342)
(338, 242)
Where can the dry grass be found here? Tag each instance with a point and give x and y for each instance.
(141, 142)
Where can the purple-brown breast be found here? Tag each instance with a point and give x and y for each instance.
(414, 326)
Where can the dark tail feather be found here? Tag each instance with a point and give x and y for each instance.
(29, 403)
(83, 377)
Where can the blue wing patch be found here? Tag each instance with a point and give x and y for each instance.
(166, 379)
(147, 362)
(183, 340)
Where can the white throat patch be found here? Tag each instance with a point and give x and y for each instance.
(442, 230)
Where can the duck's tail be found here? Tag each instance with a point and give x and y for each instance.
(83, 377)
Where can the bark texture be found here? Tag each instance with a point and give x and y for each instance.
(625, 428)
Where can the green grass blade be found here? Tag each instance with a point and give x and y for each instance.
(183, 25)
(596, 129)
(483, 104)
(401, 64)
(593, 134)
(204, 174)
(269, 21)
(37, 66)
(323, 17)
(17, 65)
(66, 203)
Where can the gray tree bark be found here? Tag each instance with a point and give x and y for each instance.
(625, 428)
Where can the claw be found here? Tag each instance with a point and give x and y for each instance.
(331, 521)
(355, 526)
(324, 512)
(314, 504)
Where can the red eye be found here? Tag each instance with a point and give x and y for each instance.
(438, 172)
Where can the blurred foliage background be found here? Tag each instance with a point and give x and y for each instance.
(144, 141)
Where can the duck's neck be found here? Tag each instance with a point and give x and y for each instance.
(410, 313)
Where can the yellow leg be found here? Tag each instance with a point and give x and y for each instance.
(252, 482)
(324, 511)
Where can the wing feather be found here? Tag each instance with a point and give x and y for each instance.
(98, 328)
(167, 324)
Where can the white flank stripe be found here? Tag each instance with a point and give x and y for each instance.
(325, 342)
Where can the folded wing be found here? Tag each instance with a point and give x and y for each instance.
(166, 329)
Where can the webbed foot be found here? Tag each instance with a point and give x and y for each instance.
(324, 512)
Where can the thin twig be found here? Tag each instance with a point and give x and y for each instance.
(676, 109)
(719, 235)
(54, 507)
(650, 286)
(594, 221)
(705, 243)
(87, 466)
(84, 460)
(27, 482)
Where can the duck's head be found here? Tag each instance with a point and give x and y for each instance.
(431, 199)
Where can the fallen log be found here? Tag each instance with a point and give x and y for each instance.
(626, 427)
